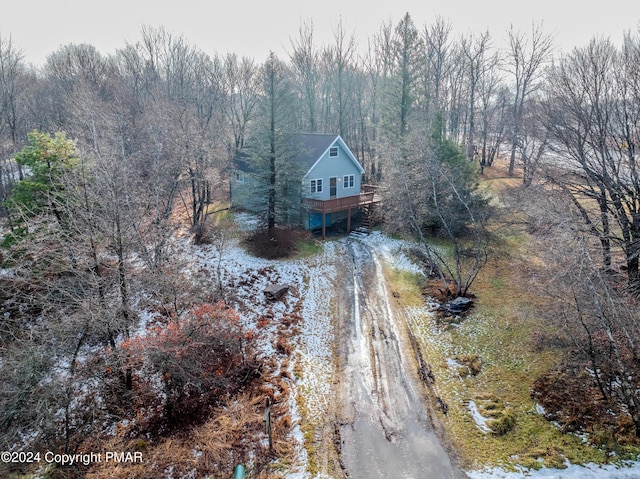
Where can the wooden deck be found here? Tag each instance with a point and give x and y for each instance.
(369, 196)
(341, 204)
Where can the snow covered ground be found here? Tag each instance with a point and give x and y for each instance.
(393, 253)
(588, 471)
(312, 292)
(245, 277)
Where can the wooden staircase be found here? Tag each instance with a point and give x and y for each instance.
(367, 223)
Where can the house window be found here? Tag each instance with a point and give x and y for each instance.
(333, 151)
(316, 186)
(238, 176)
(348, 181)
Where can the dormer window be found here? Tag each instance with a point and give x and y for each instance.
(333, 151)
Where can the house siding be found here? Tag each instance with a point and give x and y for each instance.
(243, 195)
(333, 167)
(250, 194)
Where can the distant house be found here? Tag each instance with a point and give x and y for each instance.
(324, 187)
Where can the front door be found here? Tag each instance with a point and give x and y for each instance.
(333, 187)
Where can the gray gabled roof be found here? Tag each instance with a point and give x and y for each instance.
(337, 139)
(311, 147)
(306, 149)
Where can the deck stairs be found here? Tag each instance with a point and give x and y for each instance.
(367, 223)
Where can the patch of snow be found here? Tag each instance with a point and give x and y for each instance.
(246, 221)
(298, 475)
(453, 364)
(7, 272)
(479, 419)
(145, 319)
(584, 437)
(392, 251)
(573, 471)
(540, 410)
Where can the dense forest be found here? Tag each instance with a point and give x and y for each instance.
(102, 158)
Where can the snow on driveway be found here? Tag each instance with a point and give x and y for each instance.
(313, 289)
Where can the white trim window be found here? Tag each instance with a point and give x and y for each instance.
(333, 152)
(238, 176)
(316, 186)
(348, 181)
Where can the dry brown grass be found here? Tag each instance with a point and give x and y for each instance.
(235, 434)
(499, 341)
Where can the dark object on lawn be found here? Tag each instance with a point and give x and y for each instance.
(442, 405)
(459, 305)
(274, 292)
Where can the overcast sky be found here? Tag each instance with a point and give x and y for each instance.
(253, 28)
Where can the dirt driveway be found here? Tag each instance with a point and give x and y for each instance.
(384, 428)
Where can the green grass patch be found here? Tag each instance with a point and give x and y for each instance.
(13, 237)
(498, 333)
(219, 214)
(405, 285)
(501, 393)
(307, 247)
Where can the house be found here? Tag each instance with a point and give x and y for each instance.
(323, 184)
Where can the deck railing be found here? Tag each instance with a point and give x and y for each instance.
(341, 204)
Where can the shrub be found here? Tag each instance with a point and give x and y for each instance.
(201, 234)
(189, 366)
(569, 397)
(274, 244)
(502, 422)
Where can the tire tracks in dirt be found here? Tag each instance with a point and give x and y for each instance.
(382, 427)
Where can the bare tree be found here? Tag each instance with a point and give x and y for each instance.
(13, 78)
(597, 317)
(438, 195)
(339, 63)
(438, 51)
(475, 51)
(526, 57)
(494, 107)
(594, 128)
(534, 141)
(305, 60)
(240, 87)
(455, 96)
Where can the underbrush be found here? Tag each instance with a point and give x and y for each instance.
(233, 435)
(185, 367)
(482, 368)
(280, 243)
(231, 431)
